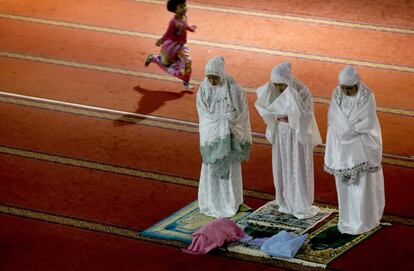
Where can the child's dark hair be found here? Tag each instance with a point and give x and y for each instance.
(172, 4)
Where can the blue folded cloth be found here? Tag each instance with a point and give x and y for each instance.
(284, 244)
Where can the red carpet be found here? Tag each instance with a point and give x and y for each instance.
(32, 245)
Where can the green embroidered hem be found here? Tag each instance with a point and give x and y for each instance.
(223, 152)
(346, 174)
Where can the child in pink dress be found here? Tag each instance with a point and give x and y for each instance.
(174, 57)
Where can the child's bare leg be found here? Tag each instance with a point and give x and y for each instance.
(187, 74)
(187, 67)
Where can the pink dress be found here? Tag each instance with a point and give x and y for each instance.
(174, 56)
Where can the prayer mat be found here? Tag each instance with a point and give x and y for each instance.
(268, 221)
(324, 243)
(180, 225)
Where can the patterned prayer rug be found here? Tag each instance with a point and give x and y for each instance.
(268, 221)
(180, 225)
(324, 243)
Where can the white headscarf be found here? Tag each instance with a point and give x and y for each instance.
(215, 66)
(225, 135)
(350, 77)
(295, 102)
(282, 73)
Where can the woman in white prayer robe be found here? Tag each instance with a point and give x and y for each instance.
(225, 141)
(353, 154)
(286, 106)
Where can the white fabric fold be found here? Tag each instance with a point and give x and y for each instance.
(222, 109)
(225, 141)
(296, 104)
(292, 142)
(354, 133)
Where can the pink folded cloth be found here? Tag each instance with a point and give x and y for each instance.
(214, 234)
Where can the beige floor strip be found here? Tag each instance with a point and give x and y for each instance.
(97, 166)
(216, 44)
(163, 77)
(153, 121)
(68, 221)
(296, 18)
(155, 176)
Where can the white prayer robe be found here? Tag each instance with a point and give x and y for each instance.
(361, 204)
(353, 154)
(292, 144)
(225, 140)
